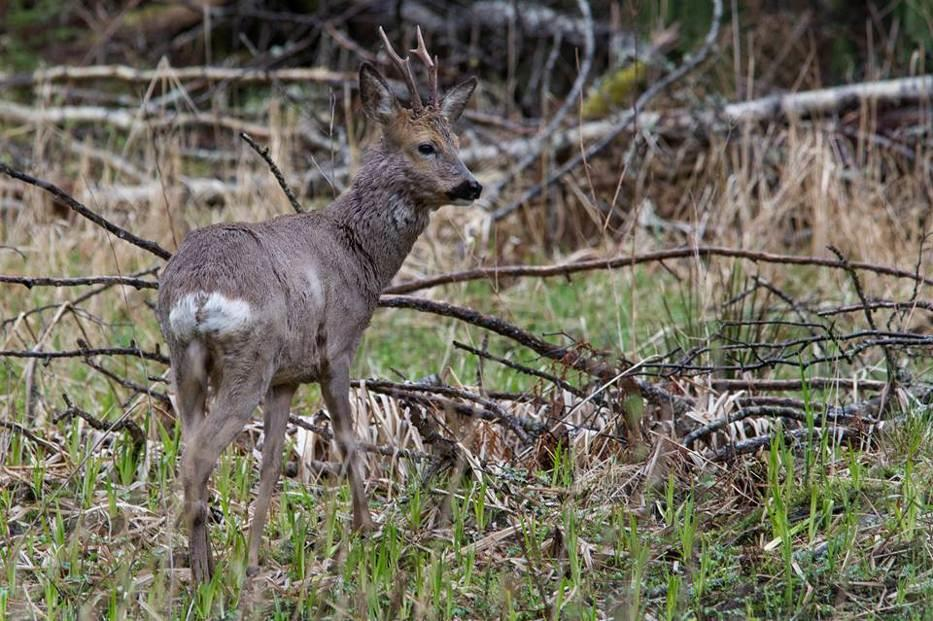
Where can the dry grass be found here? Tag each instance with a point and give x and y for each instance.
(603, 529)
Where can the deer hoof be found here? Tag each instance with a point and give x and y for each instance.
(199, 549)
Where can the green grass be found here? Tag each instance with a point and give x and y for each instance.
(813, 531)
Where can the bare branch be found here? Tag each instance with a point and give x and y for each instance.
(813, 383)
(692, 62)
(489, 410)
(888, 357)
(544, 135)
(67, 199)
(41, 281)
(560, 383)
(381, 449)
(82, 353)
(17, 428)
(619, 261)
(264, 154)
(136, 433)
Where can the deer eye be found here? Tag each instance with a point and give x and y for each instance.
(426, 148)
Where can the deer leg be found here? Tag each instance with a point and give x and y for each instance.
(275, 417)
(336, 390)
(236, 399)
(190, 386)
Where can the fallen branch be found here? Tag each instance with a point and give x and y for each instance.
(560, 383)
(137, 388)
(181, 74)
(890, 365)
(17, 428)
(74, 205)
(568, 356)
(488, 410)
(40, 281)
(81, 353)
(619, 261)
(128, 119)
(753, 444)
(791, 105)
(136, 433)
(488, 322)
(542, 138)
(813, 383)
(833, 99)
(754, 411)
(381, 449)
(628, 118)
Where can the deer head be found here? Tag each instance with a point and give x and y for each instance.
(419, 139)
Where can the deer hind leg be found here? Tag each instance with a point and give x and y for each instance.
(275, 417)
(236, 398)
(336, 390)
(191, 386)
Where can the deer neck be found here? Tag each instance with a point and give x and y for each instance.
(378, 217)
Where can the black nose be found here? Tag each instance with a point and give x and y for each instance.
(468, 190)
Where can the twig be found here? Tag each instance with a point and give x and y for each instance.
(17, 428)
(926, 305)
(560, 383)
(81, 353)
(748, 412)
(264, 154)
(815, 383)
(620, 261)
(489, 410)
(41, 281)
(381, 449)
(138, 388)
(74, 303)
(753, 444)
(888, 356)
(136, 433)
(64, 197)
(539, 140)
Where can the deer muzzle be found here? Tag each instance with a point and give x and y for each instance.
(468, 190)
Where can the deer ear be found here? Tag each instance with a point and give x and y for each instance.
(456, 99)
(378, 101)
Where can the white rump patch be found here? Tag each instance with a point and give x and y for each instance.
(202, 313)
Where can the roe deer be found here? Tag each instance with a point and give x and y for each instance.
(254, 310)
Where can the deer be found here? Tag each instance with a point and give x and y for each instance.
(250, 311)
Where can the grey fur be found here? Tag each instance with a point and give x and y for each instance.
(254, 310)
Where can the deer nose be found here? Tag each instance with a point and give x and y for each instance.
(475, 188)
(467, 190)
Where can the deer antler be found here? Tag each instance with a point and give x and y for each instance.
(422, 53)
(404, 66)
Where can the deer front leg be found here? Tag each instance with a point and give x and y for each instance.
(275, 417)
(336, 390)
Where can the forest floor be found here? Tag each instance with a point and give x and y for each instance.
(611, 514)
